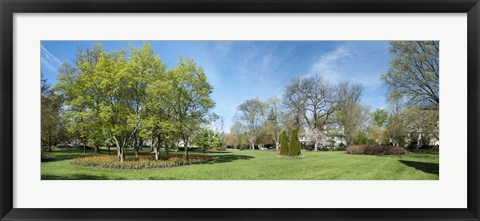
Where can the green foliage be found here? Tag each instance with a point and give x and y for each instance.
(396, 129)
(423, 121)
(52, 129)
(207, 138)
(377, 134)
(127, 96)
(379, 117)
(190, 96)
(295, 146)
(404, 128)
(284, 148)
(351, 116)
(362, 138)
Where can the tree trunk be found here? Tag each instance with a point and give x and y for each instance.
(122, 157)
(185, 144)
(155, 150)
(108, 146)
(167, 151)
(50, 143)
(316, 147)
(135, 145)
(97, 148)
(120, 150)
(155, 144)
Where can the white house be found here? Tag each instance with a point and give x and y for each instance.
(328, 139)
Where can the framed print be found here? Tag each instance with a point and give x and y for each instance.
(239, 110)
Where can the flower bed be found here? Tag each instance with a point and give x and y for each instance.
(376, 150)
(140, 162)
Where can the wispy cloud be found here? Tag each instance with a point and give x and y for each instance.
(48, 60)
(333, 66)
(223, 47)
(327, 65)
(260, 71)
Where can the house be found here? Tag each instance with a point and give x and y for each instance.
(330, 138)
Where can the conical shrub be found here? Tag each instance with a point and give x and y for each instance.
(283, 143)
(295, 146)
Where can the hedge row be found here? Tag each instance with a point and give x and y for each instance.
(140, 162)
(376, 150)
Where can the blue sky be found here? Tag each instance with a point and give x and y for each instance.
(241, 70)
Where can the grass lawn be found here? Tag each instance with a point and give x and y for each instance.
(260, 165)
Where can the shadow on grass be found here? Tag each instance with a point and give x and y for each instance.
(76, 176)
(217, 151)
(229, 158)
(425, 167)
(59, 157)
(162, 178)
(68, 154)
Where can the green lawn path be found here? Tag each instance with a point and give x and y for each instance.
(261, 165)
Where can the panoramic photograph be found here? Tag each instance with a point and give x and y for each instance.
(239, 110)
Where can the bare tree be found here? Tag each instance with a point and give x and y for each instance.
(312, 98)
(252, 115)
(236, 137)
(294, 100)
(350, 115)
(414, 72)
(272, 124)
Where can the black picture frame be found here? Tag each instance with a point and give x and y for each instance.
(9, 7)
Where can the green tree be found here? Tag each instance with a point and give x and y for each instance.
(126, 97)
(191, 96)
(207, 138)
(115, 83)
(421, 125)
(362, 138)
(379, 117)
(414, 72)
(396, 129)
(377, 134)
(77, 85)
(284, 148)
(376, 129)
(294, 146)
(51, 121)
(148, 102)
